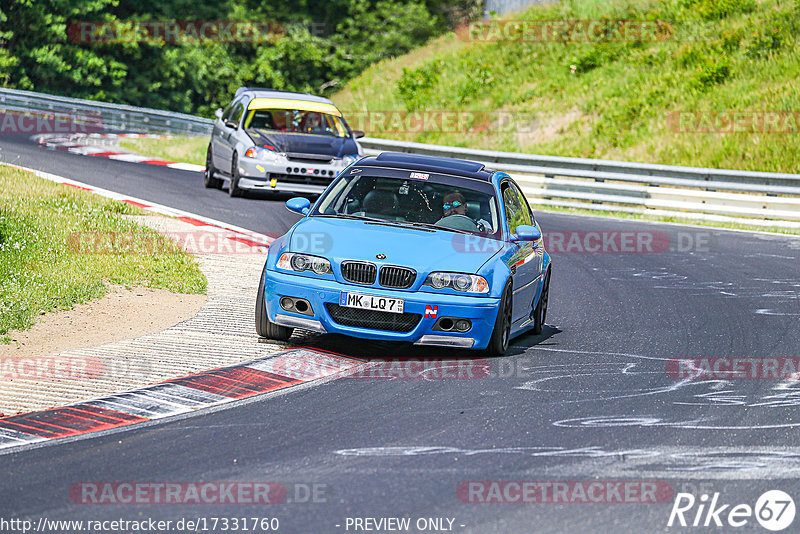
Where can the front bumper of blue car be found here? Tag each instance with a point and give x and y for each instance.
(420, 323)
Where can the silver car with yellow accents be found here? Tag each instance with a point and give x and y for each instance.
(278, 141)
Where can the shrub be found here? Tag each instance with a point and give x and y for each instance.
(415, 85)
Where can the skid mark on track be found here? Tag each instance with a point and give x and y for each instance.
(587, 384)
(768, 311)
(782, 289)
(668, 462)
(704, 423)
(558, 378)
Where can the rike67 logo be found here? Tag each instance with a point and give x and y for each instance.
(774, 510)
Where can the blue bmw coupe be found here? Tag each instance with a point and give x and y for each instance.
(402, 247)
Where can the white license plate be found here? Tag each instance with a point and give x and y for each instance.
(370, 302)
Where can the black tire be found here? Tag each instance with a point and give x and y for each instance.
(498, 344)
(233, 186)
(264, 327)
(540, 313)
(208, 174)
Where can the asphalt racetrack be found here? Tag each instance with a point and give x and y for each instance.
(594, 399)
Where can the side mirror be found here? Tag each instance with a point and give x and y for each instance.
(358, 134)
(299, 205)
(526, 232)
(231, 124)
(218, 113)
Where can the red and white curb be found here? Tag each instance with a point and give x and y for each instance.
(81, 144)
(174, 397)
(237, 233)
(215, 334)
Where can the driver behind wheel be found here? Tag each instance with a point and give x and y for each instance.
(312, 123)
(455, 204)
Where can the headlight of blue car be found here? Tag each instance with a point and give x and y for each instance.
(467, 283)
(264, 154)
(290, 261)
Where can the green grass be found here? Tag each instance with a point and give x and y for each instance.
(609, 100)
(181, 148)
(41, 267)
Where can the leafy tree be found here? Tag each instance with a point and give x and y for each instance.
(324, 44)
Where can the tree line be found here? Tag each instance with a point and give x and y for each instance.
(189, 56)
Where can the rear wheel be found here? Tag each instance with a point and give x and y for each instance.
(501, 334)
(264, 327)
(233, 186)
(208, 174)
(540, 313)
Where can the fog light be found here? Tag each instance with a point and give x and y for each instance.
(287, 304)
(462, 325)
(446, 324)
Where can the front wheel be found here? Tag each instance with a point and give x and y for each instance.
(540, 313)
(233, 186)
(501, 334)
(208, 174)
(265, 327)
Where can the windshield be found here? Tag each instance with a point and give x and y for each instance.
(296, 121)
(413, 202)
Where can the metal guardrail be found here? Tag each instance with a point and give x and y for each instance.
(103, 115)
(505, 6)
(760, 198)
(515, 161)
